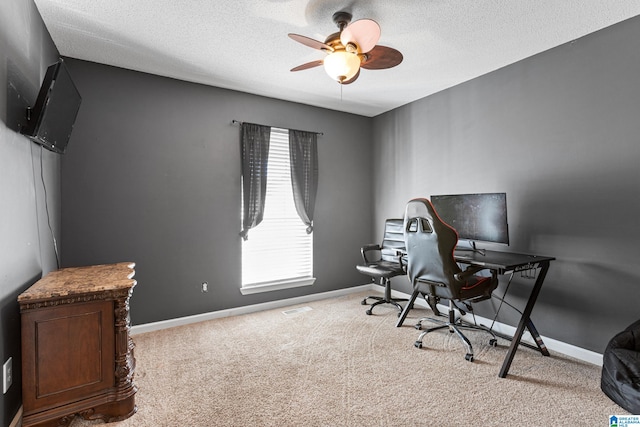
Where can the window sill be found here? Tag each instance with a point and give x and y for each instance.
(276, 286)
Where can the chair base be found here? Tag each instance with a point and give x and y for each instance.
(386, 299)
(454, 325)
(382, 300)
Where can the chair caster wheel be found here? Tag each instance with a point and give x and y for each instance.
(418, 344)
(469, 357)
(363, 302)
(369, 312)
(399, 314)
(418, 326)
(493, 342)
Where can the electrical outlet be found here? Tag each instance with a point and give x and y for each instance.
(205, 287)
(7, 375)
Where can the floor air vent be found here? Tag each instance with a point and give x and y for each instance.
(295, 311)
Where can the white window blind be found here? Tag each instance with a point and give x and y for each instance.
(278, 251)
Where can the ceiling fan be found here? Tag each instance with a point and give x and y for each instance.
(353, 47)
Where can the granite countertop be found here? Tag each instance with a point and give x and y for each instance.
(81, 280)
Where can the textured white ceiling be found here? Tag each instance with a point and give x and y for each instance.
(243, 44)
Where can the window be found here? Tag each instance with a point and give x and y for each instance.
(278, 253)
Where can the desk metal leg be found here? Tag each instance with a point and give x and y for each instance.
(537, 338)
(525, 321)
(539, 344)
(407, 307)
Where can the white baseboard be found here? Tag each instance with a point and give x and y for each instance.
(552, 344)
(501, 328)
(170, 323)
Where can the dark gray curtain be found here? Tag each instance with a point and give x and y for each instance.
(254, 146)
(303, 151)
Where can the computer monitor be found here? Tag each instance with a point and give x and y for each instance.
(476, 217)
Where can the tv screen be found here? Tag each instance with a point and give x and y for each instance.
(476, 217)
(51, 119)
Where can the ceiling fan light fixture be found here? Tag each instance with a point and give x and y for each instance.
(353, 47)
(341, 66)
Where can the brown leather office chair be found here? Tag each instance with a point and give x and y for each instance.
(434, 273)
(382, 262)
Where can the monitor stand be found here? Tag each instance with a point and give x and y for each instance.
(473, 248)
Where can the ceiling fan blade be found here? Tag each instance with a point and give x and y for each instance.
(363, 32)
(315, 44)
(307, 65)
(381, 57)
(352, 79)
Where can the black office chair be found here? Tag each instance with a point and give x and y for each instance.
(434, 273)
(382, 262)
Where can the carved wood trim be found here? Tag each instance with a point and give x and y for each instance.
(54, 302)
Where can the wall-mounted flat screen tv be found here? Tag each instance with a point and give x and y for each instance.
(51, 119)
(476, 217)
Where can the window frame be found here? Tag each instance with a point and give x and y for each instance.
(279, 141)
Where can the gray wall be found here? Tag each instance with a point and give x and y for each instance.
(26, 244)
(152, 175)
(560, 134)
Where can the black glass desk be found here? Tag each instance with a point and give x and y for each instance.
(506, 263)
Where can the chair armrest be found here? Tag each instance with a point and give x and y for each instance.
(368, 248)
(404, 260)
(470, 271)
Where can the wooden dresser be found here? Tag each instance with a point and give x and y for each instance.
(77, 355)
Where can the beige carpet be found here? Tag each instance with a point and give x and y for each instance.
(336, 366)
